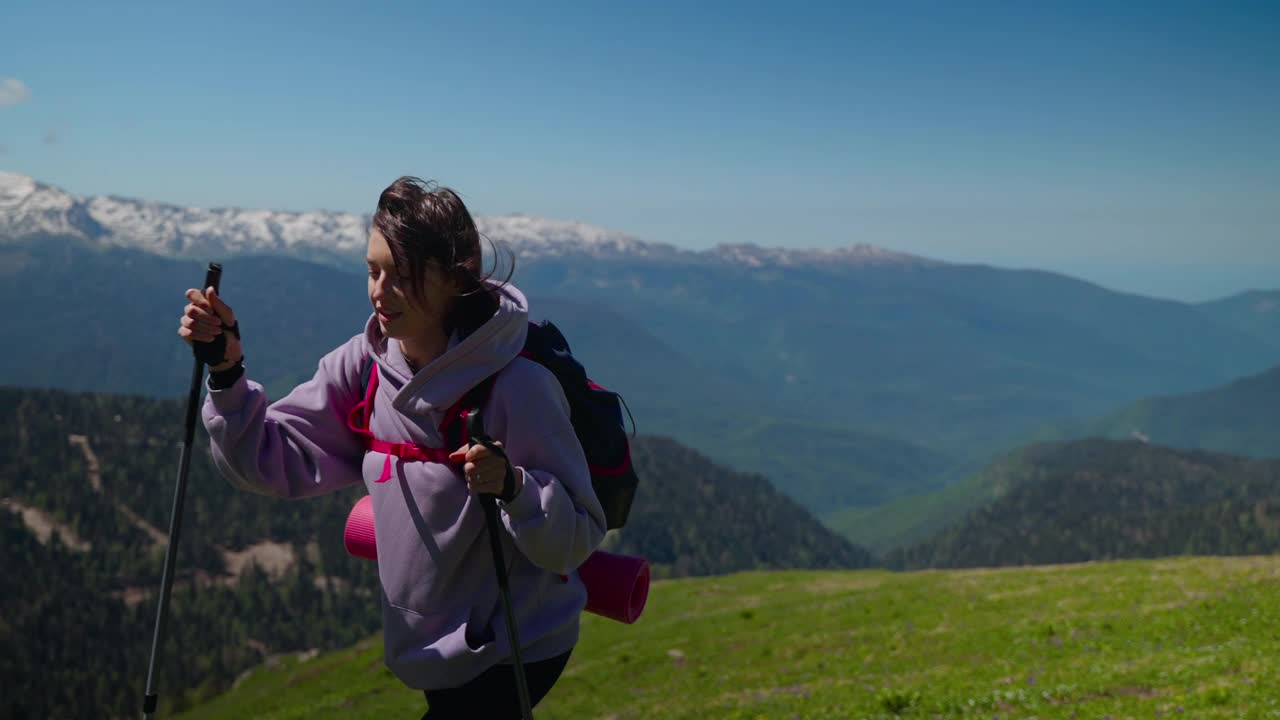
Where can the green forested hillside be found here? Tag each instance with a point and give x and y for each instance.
(86, 488)
(1186, 638)
(102, 469)
(1241, 417)
(695, 518)
(75, 634)
(913, 518)
(1104, 499)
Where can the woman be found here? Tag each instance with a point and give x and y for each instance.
(439, 328)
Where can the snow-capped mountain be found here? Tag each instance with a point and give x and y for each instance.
(860, 254)
(31, 209)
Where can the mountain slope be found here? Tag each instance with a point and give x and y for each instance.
(911, 519)
(107, 319)
(1256, 312)
(696, 518)
(1242, 417)
(1103, 499)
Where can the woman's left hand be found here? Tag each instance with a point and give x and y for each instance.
(486, 471)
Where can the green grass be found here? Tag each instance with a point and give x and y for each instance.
(1180, 638)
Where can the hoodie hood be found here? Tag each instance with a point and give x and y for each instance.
(464, 364)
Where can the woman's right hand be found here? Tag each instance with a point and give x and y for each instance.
(206, 318)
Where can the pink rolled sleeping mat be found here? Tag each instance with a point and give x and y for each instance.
(617, 585)
(358, 536)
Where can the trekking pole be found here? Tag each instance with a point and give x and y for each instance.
(211, 279)
(513, 636)
(475, 430)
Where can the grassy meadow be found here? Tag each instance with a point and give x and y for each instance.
(1179, 638)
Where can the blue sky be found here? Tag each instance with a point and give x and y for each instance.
(1134, 143)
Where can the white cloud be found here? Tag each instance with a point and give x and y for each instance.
(13, 92)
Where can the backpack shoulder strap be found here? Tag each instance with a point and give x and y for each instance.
(466, 411)
(358, 418)
(366, 374)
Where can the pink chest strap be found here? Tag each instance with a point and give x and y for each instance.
(358, 421)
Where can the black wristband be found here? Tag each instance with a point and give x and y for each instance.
(223, 379)
(212, 352)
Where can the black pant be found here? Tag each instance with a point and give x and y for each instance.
(493, 694)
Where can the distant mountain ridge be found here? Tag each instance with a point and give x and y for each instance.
(1256, 312)
(1240, 418)
(1098, 499)
(29, 208)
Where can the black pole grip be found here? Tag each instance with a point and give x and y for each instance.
(211, 352)
(213, 277)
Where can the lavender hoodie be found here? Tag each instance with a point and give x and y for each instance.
(442, 615)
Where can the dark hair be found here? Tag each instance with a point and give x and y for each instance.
(423, 223)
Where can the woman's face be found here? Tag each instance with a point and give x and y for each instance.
(400, 314)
